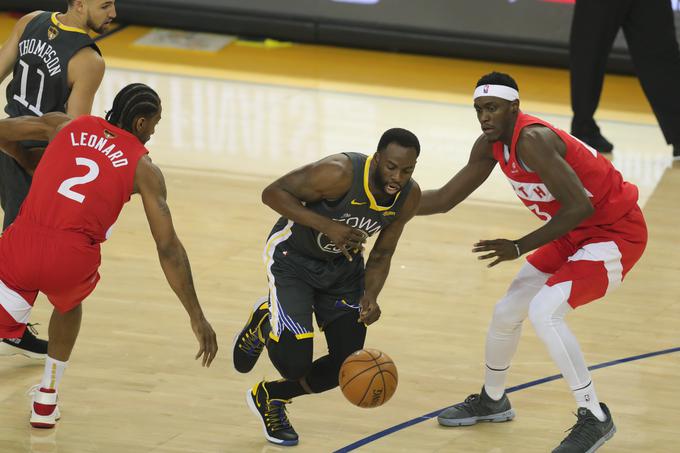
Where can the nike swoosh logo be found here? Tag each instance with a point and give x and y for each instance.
(358, 203)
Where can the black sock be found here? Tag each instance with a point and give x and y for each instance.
(284, 389)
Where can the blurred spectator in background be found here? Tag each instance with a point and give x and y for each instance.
(649, 29)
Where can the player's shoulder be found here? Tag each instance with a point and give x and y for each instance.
(340, 159)
(482, 148)
(536, 134)
(335, 165)
(414, 193)
(148, 174)
(24, 20)
(32, 15)
(415, 187)
(87, 60)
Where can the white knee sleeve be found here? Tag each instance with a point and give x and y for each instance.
(546, 312)
(512, 309)
(509, 313)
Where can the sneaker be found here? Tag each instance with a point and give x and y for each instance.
(44, 409)
(251, 340)
(272, 413)
(28, 345)
(597, 141)
(477, 408)
(589, 433)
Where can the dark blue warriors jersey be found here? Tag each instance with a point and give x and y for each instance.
(357, 208)
(40, 80)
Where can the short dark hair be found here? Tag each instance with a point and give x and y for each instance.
(132, 101)
(498, 78)
(402, 137)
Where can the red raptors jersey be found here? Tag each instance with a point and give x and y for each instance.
(610, 195)
(84, 178)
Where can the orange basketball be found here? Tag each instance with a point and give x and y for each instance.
(368, 378)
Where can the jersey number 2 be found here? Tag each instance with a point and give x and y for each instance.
(65, 187)
(22, 89)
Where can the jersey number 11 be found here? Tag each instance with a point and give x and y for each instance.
(21, 98)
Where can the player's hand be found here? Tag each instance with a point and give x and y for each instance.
(207, 340)
(501, 250)
(347, 239)
(370, 310)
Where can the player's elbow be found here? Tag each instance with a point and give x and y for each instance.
(168, 247)
(267, 195)
(582, 211)
(587, 209)
(270, 195)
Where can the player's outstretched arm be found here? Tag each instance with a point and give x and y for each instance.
(380, 258)
(466, 181)
(328, 179)
(32, 127)
(150, 184)
(13, 130)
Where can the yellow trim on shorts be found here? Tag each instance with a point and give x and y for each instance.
(300, 336)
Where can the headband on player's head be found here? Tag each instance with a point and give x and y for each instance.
(499, 91)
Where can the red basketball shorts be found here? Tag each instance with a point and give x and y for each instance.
(61, 264)
(595, 259)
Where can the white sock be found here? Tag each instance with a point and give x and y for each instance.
(586, 397)
(494, 382)
(547, 312)
(54, 370)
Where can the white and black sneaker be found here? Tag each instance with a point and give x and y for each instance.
(272, 413)
(28, 345)
(478, 407)
(589, 433)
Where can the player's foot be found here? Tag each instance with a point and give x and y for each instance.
(44, 409)
(589, 433)
(28, 345)
(477, 408)
(249, 342)
(272, 414)
(597, 141)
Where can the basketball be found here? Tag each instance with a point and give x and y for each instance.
(368, 378)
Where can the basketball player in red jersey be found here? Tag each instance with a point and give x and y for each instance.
(594, 233)
(56, 67)
(87, 173)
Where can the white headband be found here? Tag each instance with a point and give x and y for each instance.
(499, 91)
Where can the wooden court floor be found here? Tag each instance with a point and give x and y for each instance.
(132, 384)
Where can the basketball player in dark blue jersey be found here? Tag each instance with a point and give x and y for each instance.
(56, 67)
(315, 266)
